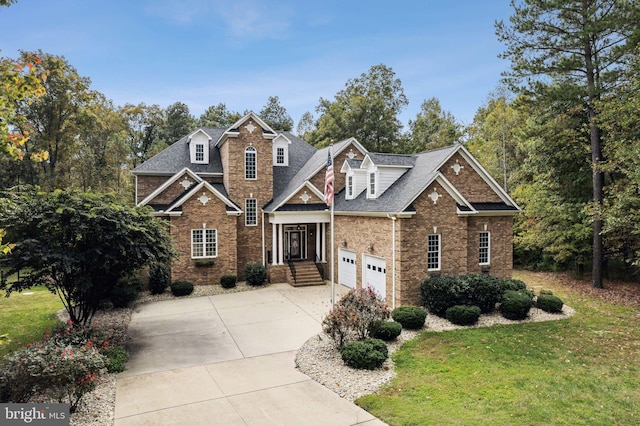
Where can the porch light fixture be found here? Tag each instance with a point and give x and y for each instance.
(370, 247)
(344, 242)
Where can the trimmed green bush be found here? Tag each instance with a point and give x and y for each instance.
(385, 330)
(483, 291)
(228, 281)
(463, 314)
(366, 354)
(549, 303)
(515, 305)
(440, 293)
(158, 278)
(181, 288)
(116, 359)
(515, 285)
(411, 317)
(255, 274)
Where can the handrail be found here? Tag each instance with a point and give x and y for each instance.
(292, 267)
(319, 266)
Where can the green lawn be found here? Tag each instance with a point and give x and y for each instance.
(26, 317)
(584, 370)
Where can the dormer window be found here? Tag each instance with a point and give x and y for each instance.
(349, 187)
(280, 156)
(199, 147)
(281, 151)
(250, 163)
(199, 153)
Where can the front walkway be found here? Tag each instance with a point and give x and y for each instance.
(229, 360)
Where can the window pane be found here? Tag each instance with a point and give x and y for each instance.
(280, 156)
(251, 211)
(196, 243)
(484, 244)
(250, 163)
(433, 251)
(199, 152)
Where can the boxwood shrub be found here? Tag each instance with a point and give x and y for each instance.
(228, 281)
(385, 330)
(515, 305)
(158, 278)
(463, 314)
(366, 354)
(411, 317)
(181, 288)
(440, 293)
(483, 291)
(549, 303)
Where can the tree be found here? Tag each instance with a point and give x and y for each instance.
(579, 45)
(143, 124)
(218, 116)
(432, 128)
(178, 122)
(275, 115)
(367, 109)
(620, 119)
(19, 80)
(51, 118)
(494, 137)
(305, 126)
(79, 245)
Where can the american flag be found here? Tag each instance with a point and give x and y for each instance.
(328, 181)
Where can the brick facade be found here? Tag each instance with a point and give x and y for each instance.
(468, 182)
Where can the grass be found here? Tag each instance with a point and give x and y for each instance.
(583, 370)
(25, 317)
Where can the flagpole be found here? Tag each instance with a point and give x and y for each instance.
(333, 287)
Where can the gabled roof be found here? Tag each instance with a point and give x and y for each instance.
(308, 170)
(389, 160)
(234, 129)
(176, 157)
(305, 185)
(168, 183)
(216, 189)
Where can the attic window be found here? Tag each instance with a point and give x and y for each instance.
(349, 187)
(372, 185)
(280, 155)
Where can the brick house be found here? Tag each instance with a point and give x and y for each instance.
(250, 194)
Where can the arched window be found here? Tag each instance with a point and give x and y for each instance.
(250, 163)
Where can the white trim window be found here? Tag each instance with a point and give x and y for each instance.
(372, 185)
(250, 163)
(280, 156)
(251, 212)
(349, 187)
(204, 243)
(484, 248)
(433, 252)
(199, 153)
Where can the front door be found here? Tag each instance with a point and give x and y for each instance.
(295, 244)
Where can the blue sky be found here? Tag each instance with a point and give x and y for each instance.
(203, 52)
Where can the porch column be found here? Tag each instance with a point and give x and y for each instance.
(274, 247)
(280, 244)
(317, 241)
(324, 243)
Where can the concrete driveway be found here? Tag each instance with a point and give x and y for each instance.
(229, 360)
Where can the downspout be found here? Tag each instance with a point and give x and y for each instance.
(393, 260)
(264, 263)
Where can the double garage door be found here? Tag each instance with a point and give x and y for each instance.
(374, 271)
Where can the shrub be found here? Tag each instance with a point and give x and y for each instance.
(66, 373)
(549, 303)
(125, 292)
(158, 278)
(365, 354)
(515, 285)
(483, 291)
(352, 316)
(181, 288)
(463, 314)
(255, 274)
(116, 359)
(515, 305)
(440, 293)
(228, 281)
(385, 330)
(411, 317)
(547, 292)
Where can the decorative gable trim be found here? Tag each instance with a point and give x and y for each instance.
(233, 209)
(305, 185)
(168, 183)
(233, 130)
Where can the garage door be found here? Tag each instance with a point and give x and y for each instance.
(375, 274)
(347, 268)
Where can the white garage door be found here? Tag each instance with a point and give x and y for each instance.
(347, 268)
(374, 273)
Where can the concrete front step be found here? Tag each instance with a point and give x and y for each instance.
(306, 275)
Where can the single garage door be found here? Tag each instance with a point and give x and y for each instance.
(375, 274)
(347, 268)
